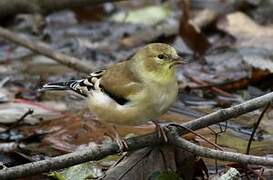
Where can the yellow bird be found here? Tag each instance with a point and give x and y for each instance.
(131, 92)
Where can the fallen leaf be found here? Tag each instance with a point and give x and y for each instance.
(246, 31)
(190, 33)
(11, 112)
(152, 162)
(73, 131)
(82, 171)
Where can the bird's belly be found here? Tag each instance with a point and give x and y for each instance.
(124, 115)
(155, 103)
(107, 110)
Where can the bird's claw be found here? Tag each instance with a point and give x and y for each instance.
(161, 131)
(122, 144)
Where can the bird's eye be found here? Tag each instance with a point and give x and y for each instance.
(161, 56)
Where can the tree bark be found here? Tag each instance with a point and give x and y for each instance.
(222, 155)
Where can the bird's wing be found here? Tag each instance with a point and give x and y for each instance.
(118, 82)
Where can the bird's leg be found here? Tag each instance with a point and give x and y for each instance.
(118, 138)
(161, 131)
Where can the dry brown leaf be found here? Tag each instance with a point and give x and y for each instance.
(191, 34)
(11, 112)
(254, 40)
(72, 132)
(143, 163)
(246, 31)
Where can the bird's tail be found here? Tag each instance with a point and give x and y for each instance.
(53, 86)
(59, 86)
(81, 86)
(74, 85)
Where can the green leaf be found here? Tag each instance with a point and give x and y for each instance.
(83, 171)
(150, 15)
(164, 175)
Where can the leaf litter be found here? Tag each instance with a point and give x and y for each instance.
(234, 63)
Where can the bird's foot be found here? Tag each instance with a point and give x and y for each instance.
(122, 144)
(161, 131)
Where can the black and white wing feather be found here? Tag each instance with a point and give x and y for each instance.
(81, 86)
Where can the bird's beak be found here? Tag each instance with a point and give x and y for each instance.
(177, 61)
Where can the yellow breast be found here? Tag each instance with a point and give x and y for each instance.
(161, 97)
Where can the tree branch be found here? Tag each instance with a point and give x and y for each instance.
(102, 151)
(46, 50)
(222, 155)
(228, 113)
(13, 7)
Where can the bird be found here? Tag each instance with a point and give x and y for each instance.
(130, 92)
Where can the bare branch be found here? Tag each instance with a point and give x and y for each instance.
(222, 155)
(152, 139)
(228, 113)
(46, 50)
(59, 162)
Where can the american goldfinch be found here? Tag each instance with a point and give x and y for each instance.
(131, 92)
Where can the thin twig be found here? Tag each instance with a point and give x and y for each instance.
(261, 173)
(214, 89)
(251, 139)
(29, 112)
(215, 141)
(255, 128)
(22, 118)
(227, 113)
(198, 135)
(259, 176)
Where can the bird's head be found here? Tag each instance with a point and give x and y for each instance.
(157, 60)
